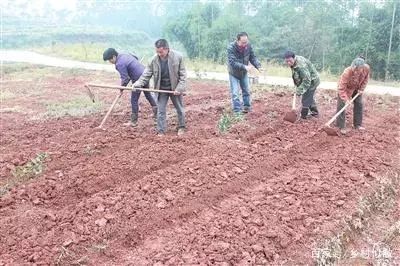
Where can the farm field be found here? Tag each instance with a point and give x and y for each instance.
(262, 192)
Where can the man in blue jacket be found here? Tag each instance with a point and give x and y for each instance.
(240, 53)
(130, 69)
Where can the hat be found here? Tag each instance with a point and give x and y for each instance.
(358, 62)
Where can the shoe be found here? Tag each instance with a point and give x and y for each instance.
(314, 111)
(181, 131)
(360, 128)
(304, 113)
(131, 124)
(134, 120)
(159, 134)
(343, 131)
(246, 110)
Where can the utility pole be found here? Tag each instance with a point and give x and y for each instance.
(390, 43)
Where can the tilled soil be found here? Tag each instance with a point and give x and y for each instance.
(267, 192)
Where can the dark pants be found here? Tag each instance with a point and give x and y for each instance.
(135, 100)
(162, 102)
(357, 112)
(308, 101)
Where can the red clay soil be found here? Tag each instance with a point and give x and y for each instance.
(266, 193)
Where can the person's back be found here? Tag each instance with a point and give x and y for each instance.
(303, 62)
(130, 64)
(351, 86)
(354, 79)
(130, 69)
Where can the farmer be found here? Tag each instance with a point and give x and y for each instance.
(306, 79)
(353, 80)
(129, 69)
(240, 53)
(169, 74)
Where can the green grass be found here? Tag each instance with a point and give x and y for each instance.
(91, 52)
(77, 51)
(27, 73)
(228, 119)
(9, 68)
(381, 200)
(31, 169)
(16, 109)
(24, 173)
(5, 95)
(79, 106)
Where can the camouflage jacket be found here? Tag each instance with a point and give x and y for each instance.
(304, 75)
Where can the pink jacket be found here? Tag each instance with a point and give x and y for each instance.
(352, 80)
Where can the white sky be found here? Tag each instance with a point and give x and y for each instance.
(36, 7)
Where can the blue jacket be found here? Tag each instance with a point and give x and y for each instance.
(237, 60)
(129, 68)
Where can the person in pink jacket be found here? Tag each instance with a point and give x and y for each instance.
(353, 80)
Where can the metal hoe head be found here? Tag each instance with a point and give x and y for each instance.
(90, 93)
(290, 116)
(330, 131)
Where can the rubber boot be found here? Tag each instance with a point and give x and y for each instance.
(304, 112)
(314, 111)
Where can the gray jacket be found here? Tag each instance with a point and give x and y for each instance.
(177, 72)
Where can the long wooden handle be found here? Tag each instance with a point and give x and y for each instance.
(294, 101)
(110, 110)
(126, 88)
(341, 110)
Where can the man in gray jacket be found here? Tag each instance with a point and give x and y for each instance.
(169, 73)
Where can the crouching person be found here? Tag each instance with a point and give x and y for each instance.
(129, 69)
(353, 80)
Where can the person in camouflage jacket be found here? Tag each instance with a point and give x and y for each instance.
(306, 79)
